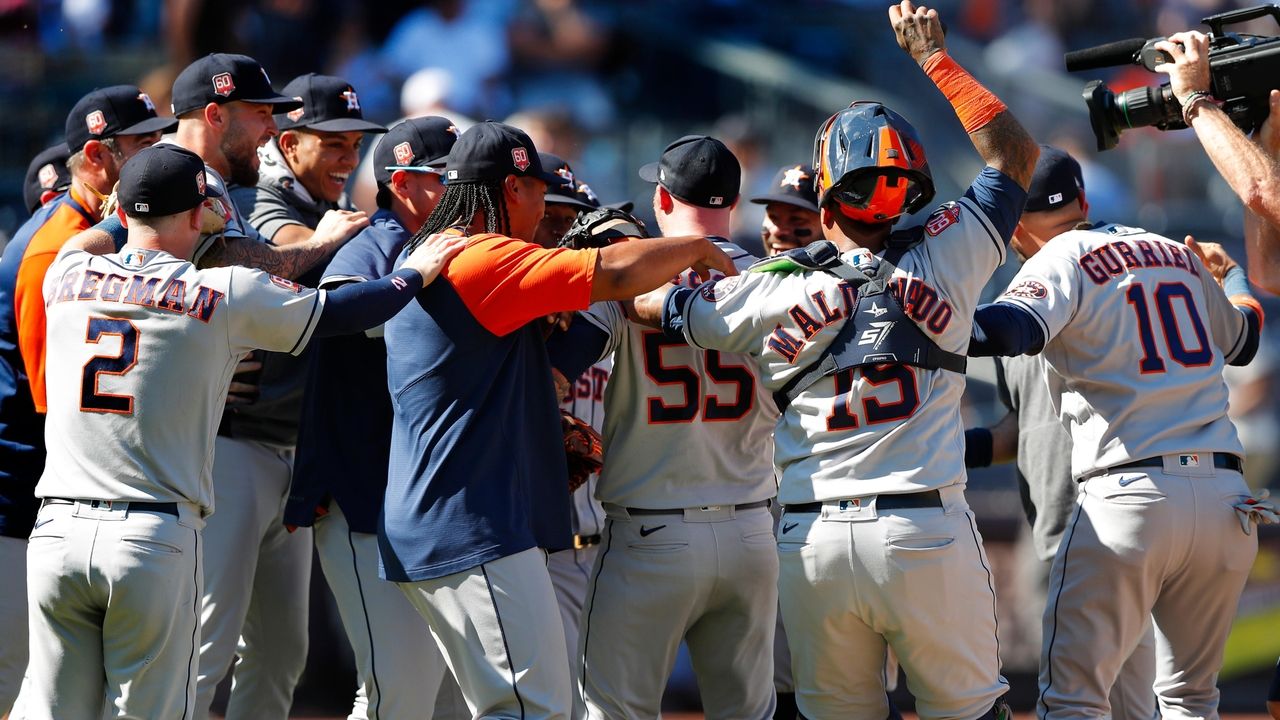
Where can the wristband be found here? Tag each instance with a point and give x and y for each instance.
(1192, 102)
(1235, 282)
(978, 447)
(974, 104)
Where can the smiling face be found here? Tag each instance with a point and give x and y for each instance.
(555, 223)
(322, 161)
(787, 227)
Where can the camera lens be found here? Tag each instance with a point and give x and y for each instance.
(1110, 114)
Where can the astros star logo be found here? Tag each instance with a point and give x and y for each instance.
(793, 177)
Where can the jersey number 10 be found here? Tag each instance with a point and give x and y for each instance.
(1165, 295)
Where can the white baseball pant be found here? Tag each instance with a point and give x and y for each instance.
(256, 579)
(570, 575)
(114, 597)
(500, 631)
(399, 668)
(1164, 544)
(13, 619)
(856, 579)
(707, 576)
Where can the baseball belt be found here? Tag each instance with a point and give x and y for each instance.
(168, 508)
(1222, 461)
(895, 501)
(674, 511)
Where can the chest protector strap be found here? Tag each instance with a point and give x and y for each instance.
(878, 331)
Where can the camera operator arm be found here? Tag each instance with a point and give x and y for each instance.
(1249, 168)
(995, 133)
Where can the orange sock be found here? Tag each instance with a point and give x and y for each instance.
(974, 104)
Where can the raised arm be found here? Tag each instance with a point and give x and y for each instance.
(627, 269)
(995, 133)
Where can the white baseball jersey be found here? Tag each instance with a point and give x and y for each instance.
(1139, 372)
(880, 429)
(586, 402)
(684, 426)
(145, 345)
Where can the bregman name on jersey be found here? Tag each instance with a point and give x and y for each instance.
(75, 286)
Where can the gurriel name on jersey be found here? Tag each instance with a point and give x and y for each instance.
(1120, 256)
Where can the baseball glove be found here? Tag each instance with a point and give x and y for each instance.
(601, 227)
(583, 449)
(1257, 508)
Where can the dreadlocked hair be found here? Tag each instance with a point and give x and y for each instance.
(459, 204)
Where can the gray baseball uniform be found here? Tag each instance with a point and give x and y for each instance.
(257, 574)
(870, 530)
(685, 486)
(114, 572)
(1049, 497)
(1153, 533)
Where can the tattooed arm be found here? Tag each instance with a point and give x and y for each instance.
(288, 261)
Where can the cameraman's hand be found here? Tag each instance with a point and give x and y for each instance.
(1268, 135)
(1189, 71)
(918, 30)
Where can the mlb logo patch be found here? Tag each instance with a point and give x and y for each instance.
(520, 158)
(854, 504)
(223, 85)
(1055, 198)
(96, 122)
(403, 153)
(716, 200)
(48, 176)
(1189, 460)
(141, 207)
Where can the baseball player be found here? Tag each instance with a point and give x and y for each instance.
(1032, 433)
(257, 573)
(1158, 462)
(790, 210)
(476, 490)
(103, 129)
(571, 568)
(341, 469)
(47, 177)
(686, 489)
(864, 359)
(114, 562)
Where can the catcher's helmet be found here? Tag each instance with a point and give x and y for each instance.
(869, 159)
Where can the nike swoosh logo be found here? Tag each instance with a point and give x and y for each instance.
(646, 532)
(789, 527)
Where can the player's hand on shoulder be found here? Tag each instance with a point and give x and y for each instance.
(714, 260)
(1213, 255)
(244, 381)
(918, 30)
(430, 257)
(339, 226)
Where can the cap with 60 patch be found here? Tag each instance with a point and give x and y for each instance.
(699, 170)
(490, 151)
(111, 111)
(418, 144)
(222, 78)
(47, 175)
(163, 180)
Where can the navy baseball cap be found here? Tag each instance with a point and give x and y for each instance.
(110, 111)
(47, 173)
(699, 170)
(490, 151)
(1057, 180)
(222, 78)
(793, 185)
(569, 191)
(329, 104)
(416, 144)
(162, 180)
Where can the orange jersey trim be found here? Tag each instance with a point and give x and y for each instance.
(28, 291)
(506, 283)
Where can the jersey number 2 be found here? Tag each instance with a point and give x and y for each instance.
(713, 409)
(91, 400)
(1165, 294)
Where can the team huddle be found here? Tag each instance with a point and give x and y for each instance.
(779, 476)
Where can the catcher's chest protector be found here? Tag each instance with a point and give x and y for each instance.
(878, 330)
